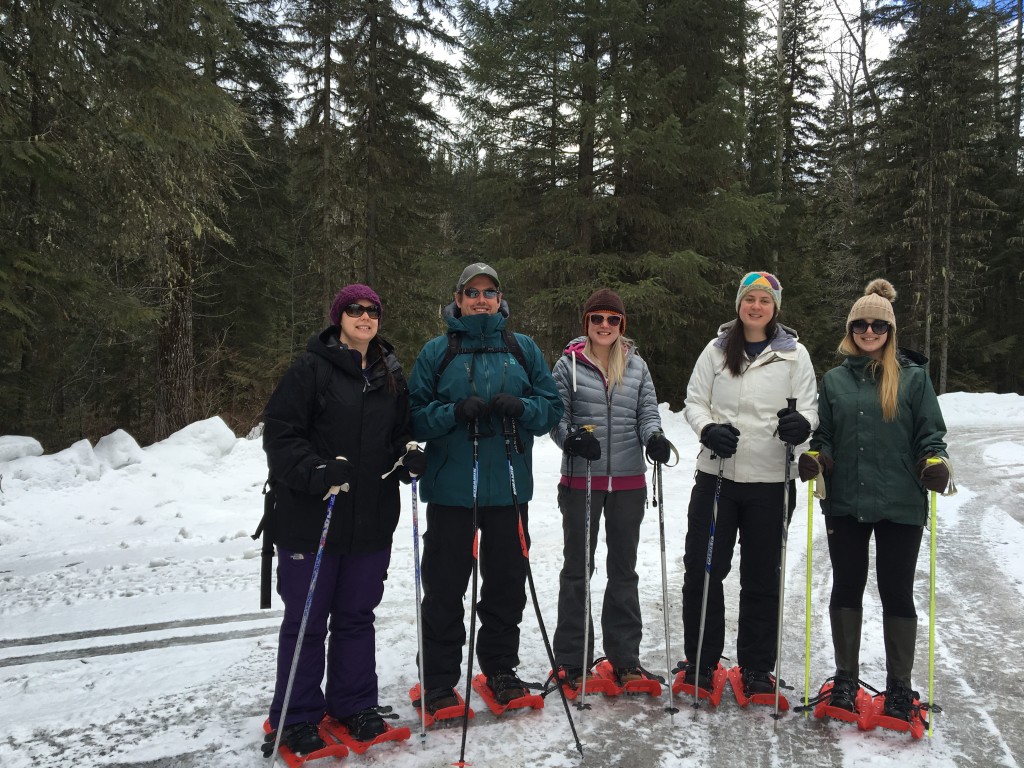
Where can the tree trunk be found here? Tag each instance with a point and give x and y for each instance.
(946, 272)
(175, 387)
(588, 112)
(780, 125)
(372, 169)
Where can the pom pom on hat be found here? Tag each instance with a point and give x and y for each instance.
(760, 281)
(609, 301)
(876, 303)
(350, 294)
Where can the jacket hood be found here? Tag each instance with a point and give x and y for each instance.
(577, 345)
(327, 345)
(785, 338)
(911, 356)
(475, 326)
(907, 358)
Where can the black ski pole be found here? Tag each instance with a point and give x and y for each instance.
(509, 429)
(791, 404)
(581, 700)
(305, 616)
(419, 609)
(659, 495)
(475, 426)
(707, 584)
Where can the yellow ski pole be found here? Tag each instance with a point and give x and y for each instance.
(931, 605)
(807, 591)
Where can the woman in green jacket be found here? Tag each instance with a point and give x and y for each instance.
(880, 422)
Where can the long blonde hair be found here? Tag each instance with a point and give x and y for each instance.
(885, 370)
(616, 359)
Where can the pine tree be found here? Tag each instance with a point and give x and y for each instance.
(937, 119)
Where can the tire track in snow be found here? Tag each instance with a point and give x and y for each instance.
(142, 645)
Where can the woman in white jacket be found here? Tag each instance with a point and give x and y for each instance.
(736, 401)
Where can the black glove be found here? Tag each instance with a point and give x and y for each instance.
(934, 477)
(793, 427)
(659, 449)
(415, 462)
(809, 466)
(503, 404)
(582, 443)
(470, 409)
(337, 472)
(722, 439)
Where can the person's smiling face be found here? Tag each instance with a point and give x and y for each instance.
(757, 308)
(357, 331)
(869, 342)
(473, 299)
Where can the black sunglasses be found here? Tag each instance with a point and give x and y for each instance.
(598, 319)
(473, 293)
(357, 310)
(877, 326)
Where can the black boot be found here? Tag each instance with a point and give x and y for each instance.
(846, 623)
(900, 636)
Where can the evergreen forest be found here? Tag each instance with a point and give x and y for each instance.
(184, 186)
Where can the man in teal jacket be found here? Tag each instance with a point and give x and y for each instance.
(474, 380)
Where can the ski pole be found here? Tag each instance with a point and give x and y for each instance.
(707, 583)
(419, 609)
(931, 604)
(581, 701)
(659, 499)
(807, 590)
(791, 404)
(472, 605)
(332, 494)
(412, 445)
(509, 428)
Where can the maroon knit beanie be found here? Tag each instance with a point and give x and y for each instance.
(353, 293)
(609, 301)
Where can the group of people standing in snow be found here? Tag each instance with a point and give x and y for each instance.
(343, 427)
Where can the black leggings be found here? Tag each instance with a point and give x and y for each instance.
(896, 549)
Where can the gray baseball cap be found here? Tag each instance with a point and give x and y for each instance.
(473, 270)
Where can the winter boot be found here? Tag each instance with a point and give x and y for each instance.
(631, 674)
(900, 634)
(440, 698)
(755, 681)
(506, 686)
(844, 692)
(302, 738)
(703, 680)
(366, 725)
(846, 623)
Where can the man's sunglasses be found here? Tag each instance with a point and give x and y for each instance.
(474, 293)
(599, 319)
(877, 326)
(357, 310)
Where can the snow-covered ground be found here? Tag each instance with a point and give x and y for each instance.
(130, 633)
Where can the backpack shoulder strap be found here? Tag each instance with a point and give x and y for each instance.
(450, 353)
(513, 346)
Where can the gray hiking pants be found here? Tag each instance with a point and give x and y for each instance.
(621, 623)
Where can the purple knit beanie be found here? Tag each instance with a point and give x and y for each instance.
(350, 294)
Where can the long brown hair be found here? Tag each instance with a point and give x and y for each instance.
(735, 344)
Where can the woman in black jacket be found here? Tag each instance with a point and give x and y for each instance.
(339, 418)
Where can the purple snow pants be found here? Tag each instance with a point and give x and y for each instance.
(348, 589)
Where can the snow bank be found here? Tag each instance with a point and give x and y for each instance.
(118, 450)
(195, 445)
(15, 447)
(981, 408)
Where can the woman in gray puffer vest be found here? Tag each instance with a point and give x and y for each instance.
(606, 385)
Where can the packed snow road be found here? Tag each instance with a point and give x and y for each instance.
(129, 636)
